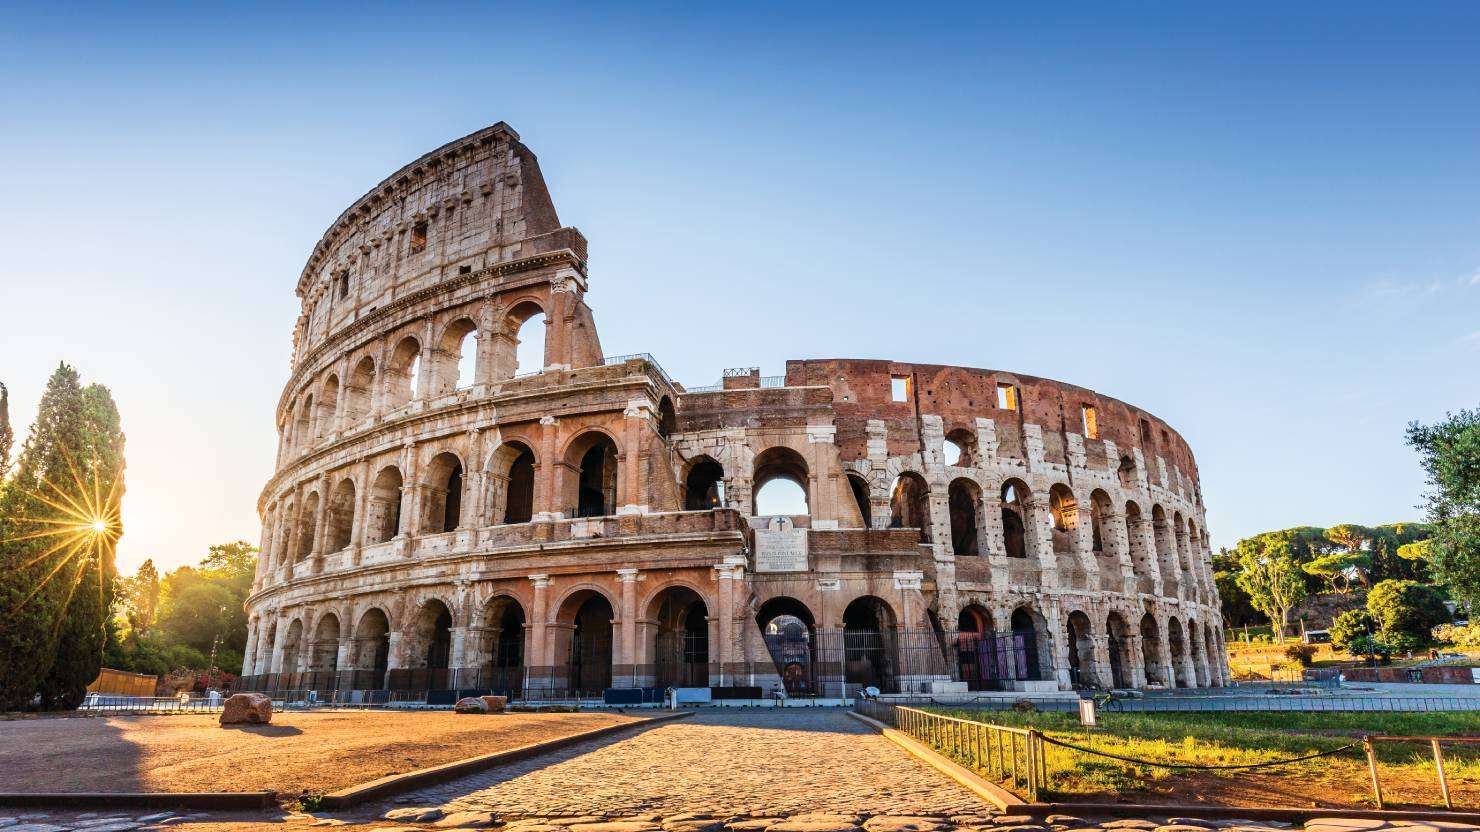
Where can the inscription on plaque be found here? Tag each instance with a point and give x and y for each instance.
(781, 548)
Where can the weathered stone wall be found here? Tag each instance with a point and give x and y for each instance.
(421, 520)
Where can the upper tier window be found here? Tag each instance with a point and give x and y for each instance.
(1007, 397)
(418, 238)
(899, 388)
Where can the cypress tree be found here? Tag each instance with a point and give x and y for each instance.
(7, 434)
(82, 630)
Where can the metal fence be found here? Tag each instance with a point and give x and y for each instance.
(1012, 756)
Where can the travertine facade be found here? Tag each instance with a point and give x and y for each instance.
(588, 524)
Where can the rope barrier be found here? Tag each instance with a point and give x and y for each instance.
(1046, 738)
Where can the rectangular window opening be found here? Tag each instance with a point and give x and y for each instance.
(899, 388)
(418, 238)
(1091, 421)
(1007, 397)
(341, 286)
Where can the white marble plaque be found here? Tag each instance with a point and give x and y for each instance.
(781, 548)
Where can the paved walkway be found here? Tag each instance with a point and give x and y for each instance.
(735, 762)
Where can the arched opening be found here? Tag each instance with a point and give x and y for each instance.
(1118, 639)
(358, 394)
(588, 615)
(594, 487)
(977, 656)
(965, 498)
(512, 469)
(1151, 655)
(1081, 651)
(431, 650)
(384, 505)
(667, 419)
(790, 636)
(680, 639)
(324, 657)
(287, 524)
(704, 485)
(859, 486)
(303, 431)
(306, 519)
(780, 481)
(264, 661)
(401, 375)
(1064, 509)
(444, 493)
(1177, 649)
(1166, 550)
(1015, 496)
(504, 672)
(868, 645)
(1196, 653)
(1099, 516)
(373, 646)
(458, 359)
(1194, 557)
(341, 520)
(324, 422)
(960, 448)
(1213, 653)
(909, 504)
(292, 646)
(529, 342)
(1027, 631)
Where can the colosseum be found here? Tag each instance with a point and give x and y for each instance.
(444, 519)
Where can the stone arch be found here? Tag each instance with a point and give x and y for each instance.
(965, 450)
(909, 504)
(583, 641)
(503, 665)
(1118, 643)
(667, 420)
(1214, 653)
(1177, 653)
(292, 646)
(1197, 651)
(1141, 561)
(703, 484)
(372, 649)
(1031, 645)
(324, 655)
(775, 464)
(306, 521)
(384, 505)
(511, 469)
(1152, 656)
(1100, 511)
(1166, 550)
(359, 391)
(680, 637)
(442, 511)
(525, 323)
(428, 646)
(401, 373)
(789, 632)
(591, 484)
(870, 651)
(287, 523)
(965, 500)
(1080, 638)
(339, 525)
(1017, 511)
(1063, 509)
(324, 417)
(303, 427)
(457, 356)
(977, 656)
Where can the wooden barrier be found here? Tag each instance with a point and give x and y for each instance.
(123, 683)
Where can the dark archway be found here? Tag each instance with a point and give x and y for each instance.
(680, 639)
(373, 645)
(590, 656)
(1080, 638)
(909, 504)
(1117, 636)
(977, 658)
(444, 495)
(385, 505)
(594, 456)
(788, 630)
(859, 487)
(704, 485)
(1151, 651)
(504, 672)
(1015, 496)
(964, 497)
(869, 650)
(1027, 663)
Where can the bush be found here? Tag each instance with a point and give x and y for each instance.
(1467, 635)
(1348, 626)
(1406, 613)
(1302, 653)
(1369, 647)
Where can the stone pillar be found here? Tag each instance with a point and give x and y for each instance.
(457, 651)
(410, 519)
(425, 372)
(1101, 670)
(1136, 656)
(344, 658)
(538, 620)
(1059, 646)
(550, 477)
(729, 575)
(626, 652)
(630, 493)
(483, 367)
(249, 654)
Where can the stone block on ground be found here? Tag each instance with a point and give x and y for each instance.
(246, 709)
(414, 814)
(467, 820)
(470, 705)
(904, 823)
(495, 704)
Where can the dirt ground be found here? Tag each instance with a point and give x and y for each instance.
(298, 753)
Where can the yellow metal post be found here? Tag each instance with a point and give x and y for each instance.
(1439, 765)
(1372, 768)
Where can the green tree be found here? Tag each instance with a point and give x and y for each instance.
(36, 564)
(1406, 612)
(82, 628)
(1269, 573)
(1353, 539)
(1237, 609)
(7, 434)
(1349, 626)
(1338, 567)
(139, 599)
(1387, 549)
(1450, 454)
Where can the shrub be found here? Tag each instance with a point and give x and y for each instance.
(1406, 613)
(1369, 647)
(1348, 626)
(1302, 653)
(1467, 635)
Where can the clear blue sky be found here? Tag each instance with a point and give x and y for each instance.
(1259, 223)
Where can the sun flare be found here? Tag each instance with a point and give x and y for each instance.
(80, 521)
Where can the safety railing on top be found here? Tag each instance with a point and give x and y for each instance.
(1012, 756)
(644, 356)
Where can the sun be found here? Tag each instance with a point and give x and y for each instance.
(80, 522)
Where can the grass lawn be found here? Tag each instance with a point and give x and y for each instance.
(1407, 770)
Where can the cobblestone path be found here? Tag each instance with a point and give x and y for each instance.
(760, 763)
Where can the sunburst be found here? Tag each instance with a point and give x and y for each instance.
(81, 527)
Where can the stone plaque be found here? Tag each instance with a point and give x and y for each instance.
(781, 548)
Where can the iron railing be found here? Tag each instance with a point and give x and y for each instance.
(1012, 756)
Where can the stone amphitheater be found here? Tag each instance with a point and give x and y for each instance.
(443, 517)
